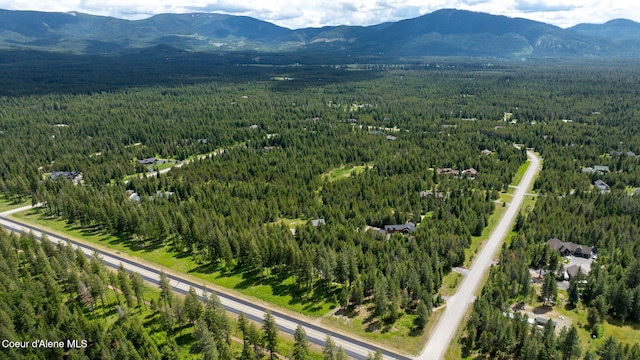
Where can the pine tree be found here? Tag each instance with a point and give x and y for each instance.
(166, 294)
(301, 345)
(138, 288)
(125, 286)
(570, 343)
(574, 292)
(270, 334)
(341, 354)
(242, 324)
(205, 343)
(423, 316)
(329, 349)
(549, 288)
(192, 306)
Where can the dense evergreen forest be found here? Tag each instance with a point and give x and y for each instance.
(254, 147)
(59, 304)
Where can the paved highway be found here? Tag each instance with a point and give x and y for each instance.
(459, 304)
(355, 348)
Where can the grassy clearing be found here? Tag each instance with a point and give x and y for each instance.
(450, 283)
(9, 204)
(165, 165)
(344, 172)
(291, 223)
(401, 335)
(272, 289)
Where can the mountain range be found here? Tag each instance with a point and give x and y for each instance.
(445, 32)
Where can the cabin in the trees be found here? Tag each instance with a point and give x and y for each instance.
(427, 193)
(470, 173)
(542, 321)
(596, 169)
(447, 171)
(317, 222)
(602, 186)
(573, 270)
(147, 161)
(409, 227)
(569, 248)
(623, 153)
(71, 175)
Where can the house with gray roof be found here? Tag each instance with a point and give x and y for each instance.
(409, 227)
(317, 222)
(602, 186)
(573, 270)
(568, 248)
(596, 169)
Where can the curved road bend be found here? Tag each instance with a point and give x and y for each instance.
(355, 348)
(459, 304)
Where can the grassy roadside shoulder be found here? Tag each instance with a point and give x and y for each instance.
(7, 204)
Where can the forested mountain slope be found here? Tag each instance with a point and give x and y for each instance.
(446, 32)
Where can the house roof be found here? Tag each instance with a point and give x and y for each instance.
(555, 243)
(426, 193)
(447, 171)
(602, 168)
(542, 320)
(147, 161)
(601, 184)
(66, 174)
(573, 270)
(409, 226)
(470, 171)
(573, 248)
(317, 222)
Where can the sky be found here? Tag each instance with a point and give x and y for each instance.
(296, 14)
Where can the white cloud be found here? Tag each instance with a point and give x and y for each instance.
(304, 13)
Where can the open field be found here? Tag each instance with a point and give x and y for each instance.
(345, 171)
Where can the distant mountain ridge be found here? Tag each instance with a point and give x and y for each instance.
(445, 32)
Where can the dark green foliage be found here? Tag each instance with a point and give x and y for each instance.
(192, 306)
(423, 316)
(301, 345)
(549, 288)
(569, 343)
(37, 303)
(329, 349)
(270, 334)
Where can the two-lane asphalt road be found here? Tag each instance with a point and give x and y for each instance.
(355, 348)
(459, 304)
